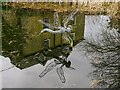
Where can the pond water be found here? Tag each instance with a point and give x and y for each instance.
(27, 76)
(21, 29)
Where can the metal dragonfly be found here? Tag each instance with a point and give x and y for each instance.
(58, 29)
(57, 61)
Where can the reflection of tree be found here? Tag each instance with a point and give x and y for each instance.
(12, 40)
(114, 23)
(105, 56)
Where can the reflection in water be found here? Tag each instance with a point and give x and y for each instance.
(105, 55)
(20, 35)
(61, 58)
(12, 42)
(25, 47)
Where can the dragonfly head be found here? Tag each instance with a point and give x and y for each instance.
(70, 27)
(68, 64)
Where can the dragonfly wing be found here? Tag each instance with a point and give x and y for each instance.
(68, 39)
(57, 61)
(69, 17)
(47, 24)
(65, 36)
(60, 73)
(48, 68)
(56, 20)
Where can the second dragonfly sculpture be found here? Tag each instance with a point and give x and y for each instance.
(58, 29)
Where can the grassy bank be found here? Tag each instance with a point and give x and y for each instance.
(89, 8)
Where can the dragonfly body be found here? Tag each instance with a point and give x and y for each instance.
(60, 30)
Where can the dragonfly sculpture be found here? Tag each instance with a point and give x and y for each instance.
(61, 61)
(59, 70)
(58, 29)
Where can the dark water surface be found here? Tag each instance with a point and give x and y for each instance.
(20, 36)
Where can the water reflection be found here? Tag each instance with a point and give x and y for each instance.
(104, 51)
(59, 59)
(20, 35)
(40, 50)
